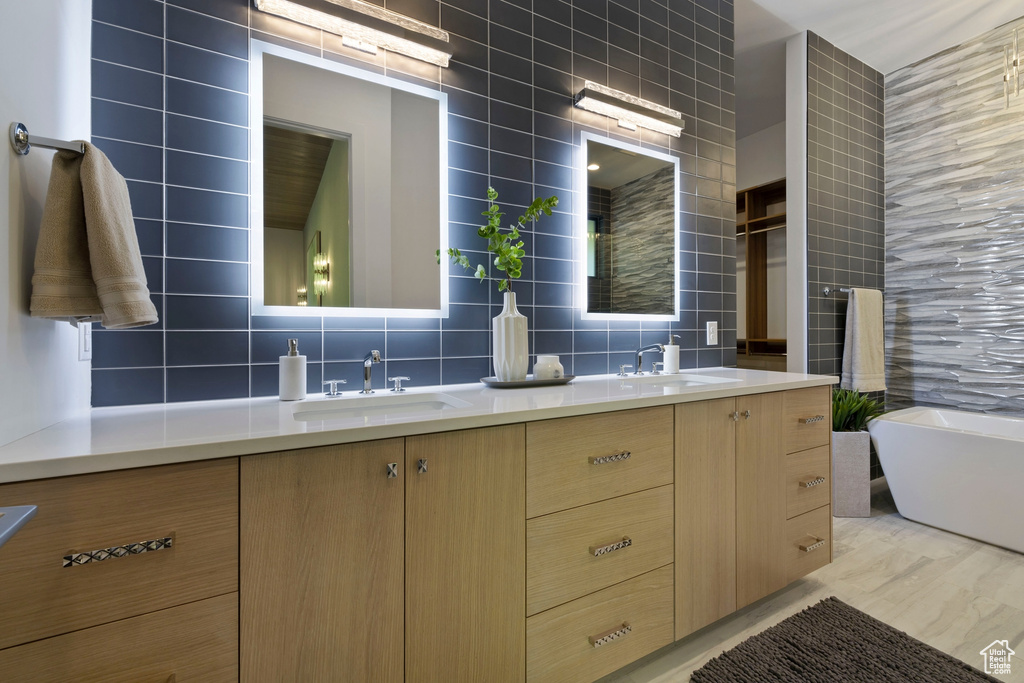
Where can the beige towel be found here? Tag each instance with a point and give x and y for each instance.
(88, 263)
(864, 350)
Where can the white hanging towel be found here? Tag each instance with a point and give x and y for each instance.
(864, 350)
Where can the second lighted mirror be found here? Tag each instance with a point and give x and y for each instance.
(631, 231)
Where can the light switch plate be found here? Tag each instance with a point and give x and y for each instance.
(712, 332)
(84, 341)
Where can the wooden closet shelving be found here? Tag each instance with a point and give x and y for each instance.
(758, 214)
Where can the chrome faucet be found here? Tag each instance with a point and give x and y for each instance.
(640, 356)
(371, 358)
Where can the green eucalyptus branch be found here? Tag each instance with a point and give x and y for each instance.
(506, 246)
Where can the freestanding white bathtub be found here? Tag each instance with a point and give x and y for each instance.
(959, 471)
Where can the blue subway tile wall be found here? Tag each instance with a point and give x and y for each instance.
(170, 108)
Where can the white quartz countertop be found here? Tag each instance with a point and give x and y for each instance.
(139, 436)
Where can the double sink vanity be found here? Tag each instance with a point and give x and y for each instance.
(455, 533)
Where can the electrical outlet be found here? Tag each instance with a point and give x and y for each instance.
(84, 341)
(712, 332)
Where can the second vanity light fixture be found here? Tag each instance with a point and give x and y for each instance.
(630, 111)
(368, 27)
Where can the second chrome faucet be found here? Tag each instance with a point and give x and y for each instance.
(371, 358)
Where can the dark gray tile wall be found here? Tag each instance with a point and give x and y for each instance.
(170, 108)
(845, 197)
(845, 193)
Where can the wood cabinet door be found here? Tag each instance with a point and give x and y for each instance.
(760, 497)
(466, 556)
(705, 475)
(321, 576)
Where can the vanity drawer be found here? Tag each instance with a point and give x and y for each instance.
(808, 480)
(122, 519)
(807, 418)
(573, 461)
(193, 642)
(575, 552)
(560, 642)
(803, 554)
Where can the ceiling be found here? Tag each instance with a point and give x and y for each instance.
(618, 166)
(885, 34)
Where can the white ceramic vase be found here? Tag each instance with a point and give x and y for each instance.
(511, 344)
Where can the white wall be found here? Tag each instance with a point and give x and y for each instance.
(45, 84)
(761, 157)
(284, 258)
(413, 268)
(796, 203)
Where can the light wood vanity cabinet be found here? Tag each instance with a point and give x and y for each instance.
(599, 587)
(321, 572)
(753, 512)
(555, 550)
(100, 584)
(349, 573)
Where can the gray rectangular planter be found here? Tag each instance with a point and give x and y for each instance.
(851, 474)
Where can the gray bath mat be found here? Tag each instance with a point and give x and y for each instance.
(832, 642)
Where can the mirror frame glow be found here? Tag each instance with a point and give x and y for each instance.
(257, 49)
(581, 228)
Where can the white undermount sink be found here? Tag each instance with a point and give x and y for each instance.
(381, 403)
(678, 380)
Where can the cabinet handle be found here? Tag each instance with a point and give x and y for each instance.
(811, 420)
(608, 636)
(74, 559)
(808, 483)
(746, 414)
(598, 550)
(422, 466)
(392, 470)
(735, 415)
(617, 457)
(808, 547)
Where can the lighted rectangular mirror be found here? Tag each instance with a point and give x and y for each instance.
(349, 185)
(628, 232)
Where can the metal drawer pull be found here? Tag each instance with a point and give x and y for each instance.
(811, 420)
(598, 550)
(609, 636)
(808, 483)
(75, 559)
(808, 547)
(392, 470)
(735, 415)
(617, 457)
(421, 467)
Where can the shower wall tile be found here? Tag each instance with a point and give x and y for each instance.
(955, 232)
(845, 204)
(170, 105)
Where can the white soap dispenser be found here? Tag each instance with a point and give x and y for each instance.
(292, 369)
(672, 355)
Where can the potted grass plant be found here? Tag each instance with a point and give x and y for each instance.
(851, 452)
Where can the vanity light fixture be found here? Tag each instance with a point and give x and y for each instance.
(321, 273)
(303, 298)
(368, 27)
(1011, 68)
(629, 110)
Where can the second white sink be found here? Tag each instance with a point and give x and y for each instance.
(678, 380)
(376, 404)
